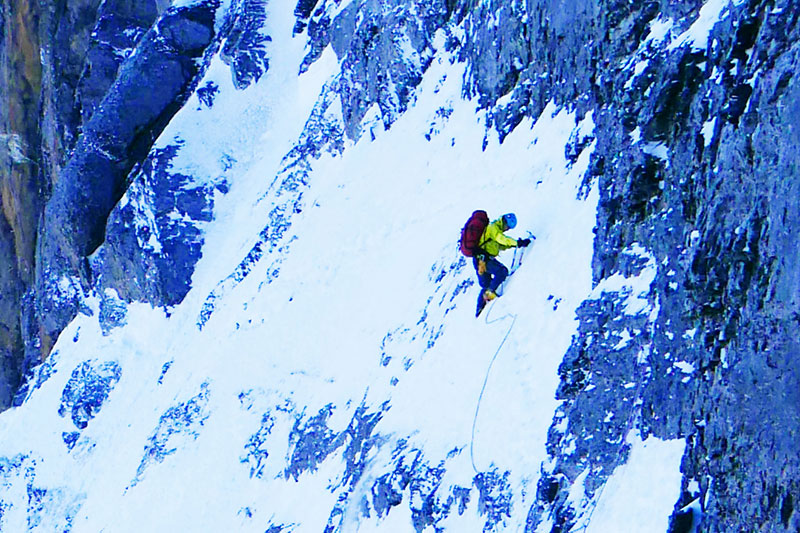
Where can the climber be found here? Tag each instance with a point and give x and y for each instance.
(491, 272)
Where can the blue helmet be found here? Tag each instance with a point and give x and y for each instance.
(510, 220)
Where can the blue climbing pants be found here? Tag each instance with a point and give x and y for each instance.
(496, 273)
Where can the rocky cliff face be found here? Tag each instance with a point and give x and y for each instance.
(81, 114)
(19, 178)
(58, 60)
(693, 162)
(695, 159)
(149, 89)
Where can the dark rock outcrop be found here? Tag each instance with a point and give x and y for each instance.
(112, 74)
(59, 60)
(10, 334)
(695, 162)
(83, 44)
(245, 45)
(87, 390)
(371, 45)
(150, 87)
(20, 187)
(167, 246)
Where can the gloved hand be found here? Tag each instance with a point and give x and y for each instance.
(481, 267)
(522, 243)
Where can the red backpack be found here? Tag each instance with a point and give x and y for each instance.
(472, 231)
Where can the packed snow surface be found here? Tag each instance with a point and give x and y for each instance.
(238, 409)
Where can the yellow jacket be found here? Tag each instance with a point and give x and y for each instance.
(493, 241)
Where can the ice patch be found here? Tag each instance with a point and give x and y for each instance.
(697, 34)
(658, 150)
(708, 131)
(635, 290)
(637, 70)
(641, 493)
(659, 30)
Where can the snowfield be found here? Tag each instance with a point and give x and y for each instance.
(327, 373)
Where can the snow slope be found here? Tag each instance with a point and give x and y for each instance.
(326, 371)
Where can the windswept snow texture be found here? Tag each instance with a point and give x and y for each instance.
(325, 372)
(640, 491)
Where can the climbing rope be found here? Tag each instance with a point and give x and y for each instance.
(583, 524)
(514, 265)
